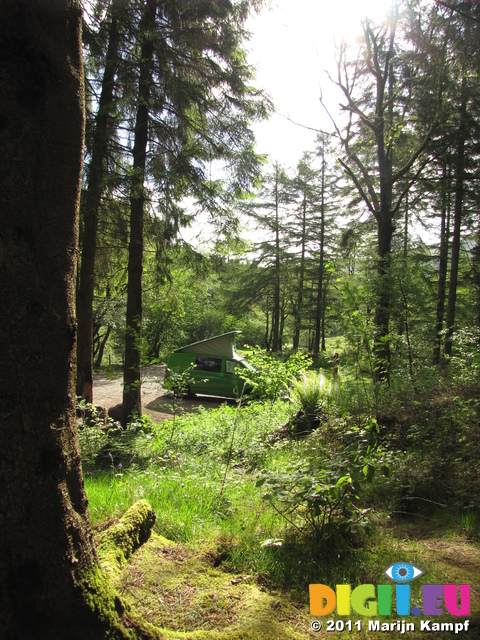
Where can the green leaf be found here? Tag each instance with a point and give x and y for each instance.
(369, 472)
(343, 480)
(386, 471)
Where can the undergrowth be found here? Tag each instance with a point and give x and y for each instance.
(289, 510)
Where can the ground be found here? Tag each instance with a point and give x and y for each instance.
(183, 592)
(157, 402)
(179, 592)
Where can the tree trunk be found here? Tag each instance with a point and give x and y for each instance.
(90, 209)
(457, 221)
(276, 284)
(267, 327)
(476, 276)
(132, 398)
(318, 309)
(405, 230)
(442, 267)
(324, 306)
(283, 317)
(101, 347)
(299, 309)
(48, 561)
(382, 299)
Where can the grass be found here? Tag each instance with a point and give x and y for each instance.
(235, 568)
(182, 476)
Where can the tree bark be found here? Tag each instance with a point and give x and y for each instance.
(276, 283)
(323, 345)
(47, 556)
(101, 347)
(132, 395)
(457, 220)
(381, 317)
(299, 305)
(442, 267)
(90, 211)
(319, 303)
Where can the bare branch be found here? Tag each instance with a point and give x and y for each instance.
(359, 187)
(304, 126)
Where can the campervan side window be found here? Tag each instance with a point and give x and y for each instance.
(208, 364)
(230, 366)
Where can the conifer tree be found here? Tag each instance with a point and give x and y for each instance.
(96, 174)
(384, 139)
(194, 105)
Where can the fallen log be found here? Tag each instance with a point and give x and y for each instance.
(117, 543)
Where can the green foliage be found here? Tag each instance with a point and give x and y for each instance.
(465, 362)
(434, 450)
(179, 383)
(182, 476)
(271, 375)
(320, 488)
(358, 328)
(92, 431)
(319, 496)
(308, 392)
(117, 449)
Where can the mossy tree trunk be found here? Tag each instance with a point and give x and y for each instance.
(48, 565)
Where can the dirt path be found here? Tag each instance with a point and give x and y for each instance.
(157, 402)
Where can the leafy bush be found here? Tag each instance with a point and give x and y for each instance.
(92, 431)
(465, 362)
(271, 376)
(104, 444)
(320, 498)
(308, 392)
(179, 383)
(307, 395)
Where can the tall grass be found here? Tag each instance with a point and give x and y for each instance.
(185, 473)
(183, 481)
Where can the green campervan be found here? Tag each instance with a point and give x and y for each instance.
(210, 367)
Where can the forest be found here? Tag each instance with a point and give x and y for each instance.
(372, 239)
(353, 277)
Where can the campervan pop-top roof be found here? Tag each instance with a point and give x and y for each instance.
(221, 346)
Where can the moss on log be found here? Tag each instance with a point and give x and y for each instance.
(117, 543)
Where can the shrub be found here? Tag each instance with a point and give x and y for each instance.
(271, 376)
(465, 363)
(307, 395)
(320, 499)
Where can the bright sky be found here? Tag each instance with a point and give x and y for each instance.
(293, 42)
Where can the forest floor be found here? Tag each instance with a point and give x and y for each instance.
(201, 588)
(157, 402)
(181, 592)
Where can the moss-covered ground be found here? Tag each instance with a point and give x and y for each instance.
(179, 593)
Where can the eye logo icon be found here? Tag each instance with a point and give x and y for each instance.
(403, 572)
